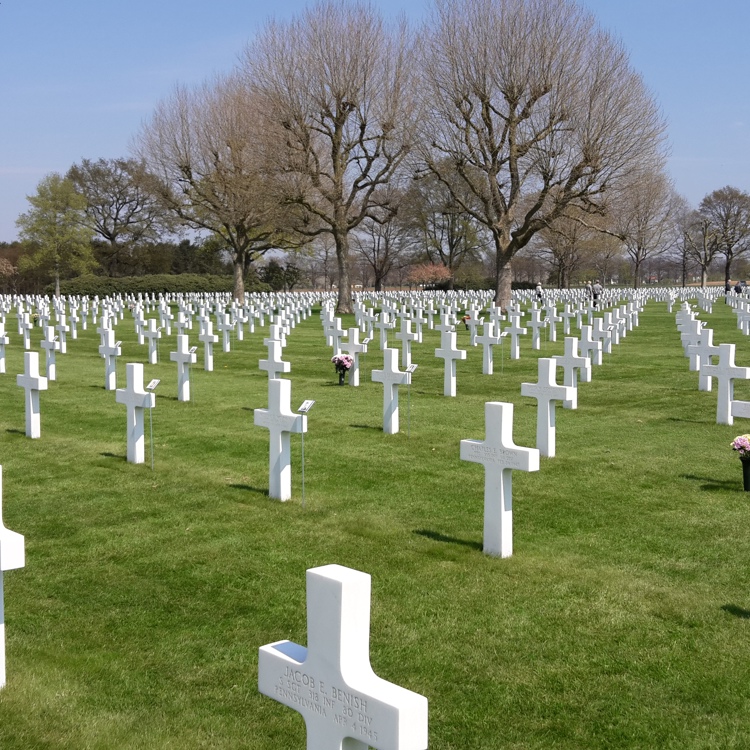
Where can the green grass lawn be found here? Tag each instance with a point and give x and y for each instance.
(621, 621)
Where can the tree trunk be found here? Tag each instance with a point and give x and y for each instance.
(239, 280)
(344, 304)
(727, 269)
(57, 284)
(704, 277)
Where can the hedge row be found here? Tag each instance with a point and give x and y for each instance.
(184, 283)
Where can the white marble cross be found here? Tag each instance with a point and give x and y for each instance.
(725, 372)
(514, 330)
(110, 350)
(274, 365)
(405, 336)
(336, 333)
(500, 456)
(450, 354)
(384, 325)
(103, 328)
(589, 347)
(280, 421)
(3, 344)
(345, 705)
(224, 326)
(184, 358)
(32, 383)
(601, 333)
(702, 353)
(50, 346)
(353, 348)
(488, 339)
(546, 392)
(136, 399)
(62, 330)
(391, 379)
(12, 557)
(25, 325)
(552, 319)
(208, 339)
(153, 334)
(536, 324)
(572, 363)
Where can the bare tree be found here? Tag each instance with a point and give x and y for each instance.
(339, 85)
(380, 243)
(441, 231)
(568, 243)
(119, 207)
(700, 242)
(645, 218)
(537, 110)
(728, 211)
(207, 152)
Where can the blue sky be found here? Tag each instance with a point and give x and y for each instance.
(77, 78)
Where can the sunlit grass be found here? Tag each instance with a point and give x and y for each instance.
(621, 621)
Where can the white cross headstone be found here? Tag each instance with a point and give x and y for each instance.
(353, 348)
(25, 325)
(184, 358)
(405, 336)
(208, 339)
(224, 327)
(62, 330)
(546, 392)
(702, 353)
(725, 372)
(153, 334)
(136, 398)
(450, 354)
(274, 365)
(110, 350)
(50, 346)
(571, 363)
(500, 456)
(345, 705)
(514, 330)
(32, 383)
(12, 557)
(3, 344)
(279, 419)
(487, 341)
(391, 379)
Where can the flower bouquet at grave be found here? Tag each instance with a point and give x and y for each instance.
(741, 444)
(343, 363)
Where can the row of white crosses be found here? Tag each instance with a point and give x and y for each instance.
(279, 419)
(699, 347)
(500, 455)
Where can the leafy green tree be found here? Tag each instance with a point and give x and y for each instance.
(273, 275)
(54, 228)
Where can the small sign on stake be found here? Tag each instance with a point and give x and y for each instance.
(411, 368)
(303, 409)
(193, 349)
(306, 406)
(152, 385)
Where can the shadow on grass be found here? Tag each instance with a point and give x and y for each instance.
(689, 421)
(248, 488)
(438, 537)
(121, 456)
(733, 609)
(709, 483)
(365, 427)
(17, 432)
